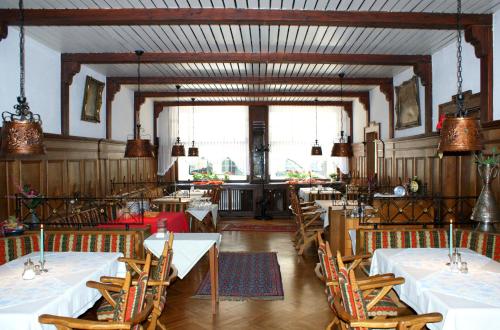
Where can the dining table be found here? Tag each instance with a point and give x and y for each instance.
(467, 300)
(306, 192)
(60, 291)
(188, 249)
(174, 221)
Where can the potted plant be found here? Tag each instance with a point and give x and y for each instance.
(486, 210)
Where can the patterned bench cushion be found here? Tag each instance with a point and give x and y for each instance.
(17, 246)
(91, 242)
(484, 243)
(100, 241)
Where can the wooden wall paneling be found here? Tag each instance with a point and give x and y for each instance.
(420, 169)
(388, 171)
(3, 190)
(90, 177)
(399, 175)
(133, 170)
(74, 177)
(55, 178)
(124, 170)
(409, 168)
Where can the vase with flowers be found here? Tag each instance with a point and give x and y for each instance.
(486, 211)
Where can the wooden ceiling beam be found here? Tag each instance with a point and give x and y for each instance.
(251, 103)
(186, 16)
(278, 57)
(215, 93)
(252, 80)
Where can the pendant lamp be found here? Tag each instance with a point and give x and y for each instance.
(138, 147)
(342, 148)
(22, 133)
(460, 133)
(193, 151)
(178, 148)
(316, 148)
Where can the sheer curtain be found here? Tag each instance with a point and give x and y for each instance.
(221, 134)
(167, 132)
(292, 134)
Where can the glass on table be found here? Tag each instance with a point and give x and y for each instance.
(161, 226)
(463, 267)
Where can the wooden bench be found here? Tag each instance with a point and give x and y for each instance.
(487, 244)
(127, 242)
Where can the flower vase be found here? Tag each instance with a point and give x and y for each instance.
(486, 210)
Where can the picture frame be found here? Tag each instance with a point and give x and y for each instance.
(92, 100)
(408, 104)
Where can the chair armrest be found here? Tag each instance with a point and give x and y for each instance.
(403, 322)
(380, 283)
(112, 280)
(348, 259)
(129, 260)
(103, 286)
(307, 203)
(379, 277)
(72, 323)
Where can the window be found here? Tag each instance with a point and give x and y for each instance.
(221, 134)
(291, 136)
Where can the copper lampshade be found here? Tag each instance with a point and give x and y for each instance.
(193, 151)
(341, 149)
(139, 148)
(178, 149)
(460, 134)
(22, 137)
(316, 149)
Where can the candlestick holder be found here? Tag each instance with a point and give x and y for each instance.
(455, 261)
(42, 266)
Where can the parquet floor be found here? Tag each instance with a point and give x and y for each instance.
(304, 306)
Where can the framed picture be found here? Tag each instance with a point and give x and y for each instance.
(92, 100)
(407, 104)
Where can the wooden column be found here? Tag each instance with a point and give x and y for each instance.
(365, 101)
(112, 87)
(424, 71)
(481, 37)
(68, 71)
(388, 90)
(348, 109)
(4, 31)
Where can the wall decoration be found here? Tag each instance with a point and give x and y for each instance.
(408, 104)
(92, 100)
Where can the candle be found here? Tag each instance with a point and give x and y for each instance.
(41, 244)
(451, 238)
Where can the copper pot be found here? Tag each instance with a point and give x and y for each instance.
(341, 149)
(460, 134)
(139, 148)
(22, 138)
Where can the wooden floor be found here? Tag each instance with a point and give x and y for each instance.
(304, 306)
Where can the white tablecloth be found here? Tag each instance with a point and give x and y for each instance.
(304, 193)
(466, 301)
(197, 193)
(336, 206)
(200, 213)
(61, 291)
(170, 199)
(188, 248)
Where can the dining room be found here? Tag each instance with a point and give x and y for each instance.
(244, 164)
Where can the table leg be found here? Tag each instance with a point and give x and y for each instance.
(214, 277)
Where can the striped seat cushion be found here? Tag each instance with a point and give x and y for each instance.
(17, 246)
(487, 244)
(384, 307)
(105, 311)
(91, 242)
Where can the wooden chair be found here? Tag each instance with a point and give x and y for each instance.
(175, 205)
(371, 286)
(129, 311)
(308, 225)
(352, 308)
(161, 277)
(215, 195)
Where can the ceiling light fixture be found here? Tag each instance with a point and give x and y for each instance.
(342, 148)
(316, 148)
(178, 148)
(193, 151)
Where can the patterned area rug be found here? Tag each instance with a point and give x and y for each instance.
(246, 275)
(251, 227)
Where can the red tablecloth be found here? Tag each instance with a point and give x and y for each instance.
(176, 222)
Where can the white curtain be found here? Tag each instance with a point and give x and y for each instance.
(292, 131)
(167, 132)
(220, 133)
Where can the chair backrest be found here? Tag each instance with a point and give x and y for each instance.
(162, 273)
(215, 196)
(352, 297)
(132, 297)
(329, 270)
(174, 206)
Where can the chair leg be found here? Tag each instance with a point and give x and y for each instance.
(332, 323)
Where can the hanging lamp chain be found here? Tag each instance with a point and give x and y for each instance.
(460, 98)
(192, 115)
(178, 105)
(316, 121)
(341, 76)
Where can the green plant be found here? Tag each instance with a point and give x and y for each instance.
(492, 159)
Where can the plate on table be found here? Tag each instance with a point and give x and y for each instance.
(399, 191)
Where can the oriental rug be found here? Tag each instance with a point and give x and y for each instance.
(246, 275)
